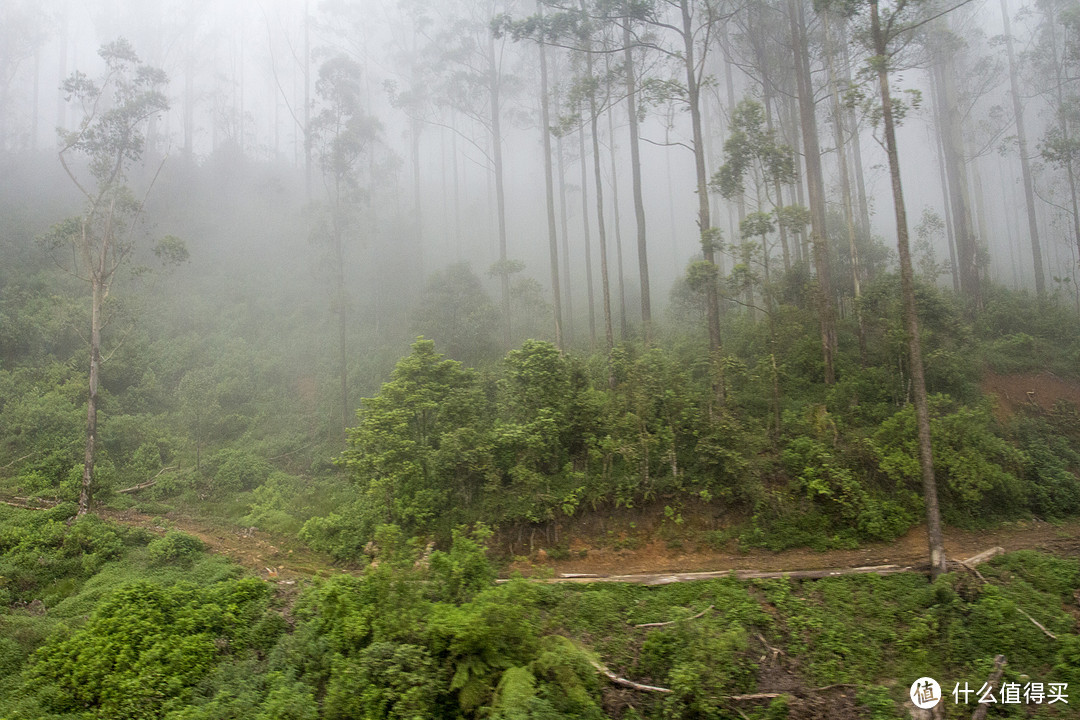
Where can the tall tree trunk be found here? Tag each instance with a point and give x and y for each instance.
(815, 186)
(778, 202)
(845, 184)
(802, 241)
(457, 183)
(635, 173)
(605, 287)
(97, 296)
(955, 169)
(911, 323)
(856, 145)
(549, 189)
(588, 239)
(415, 128)
(1062, 111)
(729, 87)
(623, 329)
(708, 243)
(500, 195)
(564, 228)
(1025, 165)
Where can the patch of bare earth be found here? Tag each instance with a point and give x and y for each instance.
(1023, 392)
(653, 555)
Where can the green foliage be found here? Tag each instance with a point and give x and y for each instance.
(175, 547)
(145, 648)
(232, 470)
(979, 474)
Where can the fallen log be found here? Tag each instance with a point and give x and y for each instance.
(654, 579)
(984, 556)
(149, 483)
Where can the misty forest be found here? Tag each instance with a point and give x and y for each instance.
(539, 359)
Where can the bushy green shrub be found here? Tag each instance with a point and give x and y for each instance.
(233, 470)
(175, 547)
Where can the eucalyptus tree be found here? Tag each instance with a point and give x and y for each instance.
(815, 184)
(890, 30)
(341, 135)
(535, 28)
(24, 30)
(947, 46)
(474, 81)
(1055, 65)
(98, 156)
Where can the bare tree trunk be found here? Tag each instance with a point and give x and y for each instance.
(553, 240)
(588, 240)
(955, 168)
(564, 227)
(96, 298)
(946, 203)
(635, 172)
(911, 323)
(845, 186)
(601, 230)
(415, 127)
(1063, 114)
(815, 186)
(712, 299)
(457, 185)
(800, 172)
(500, 196)
(624, 330)
(1025, 166)
(856, 145)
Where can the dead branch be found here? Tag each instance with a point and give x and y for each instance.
(5, 467)
(624, 682)
(672, 622)
(23, 506)
(149, 483)
(776, 652)
(969, 565)
(994, 679)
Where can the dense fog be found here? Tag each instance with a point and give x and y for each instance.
(244, 91)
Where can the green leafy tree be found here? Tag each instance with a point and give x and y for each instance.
(416, 446)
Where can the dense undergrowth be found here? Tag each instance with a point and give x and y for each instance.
(105, 622)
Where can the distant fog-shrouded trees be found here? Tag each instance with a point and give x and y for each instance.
(342, 135)
(99, 155)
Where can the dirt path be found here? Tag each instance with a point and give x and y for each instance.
(911, 549)
(286, 560)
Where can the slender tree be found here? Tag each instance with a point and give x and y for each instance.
(883, 36)
(111, 136)
(341, 134)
